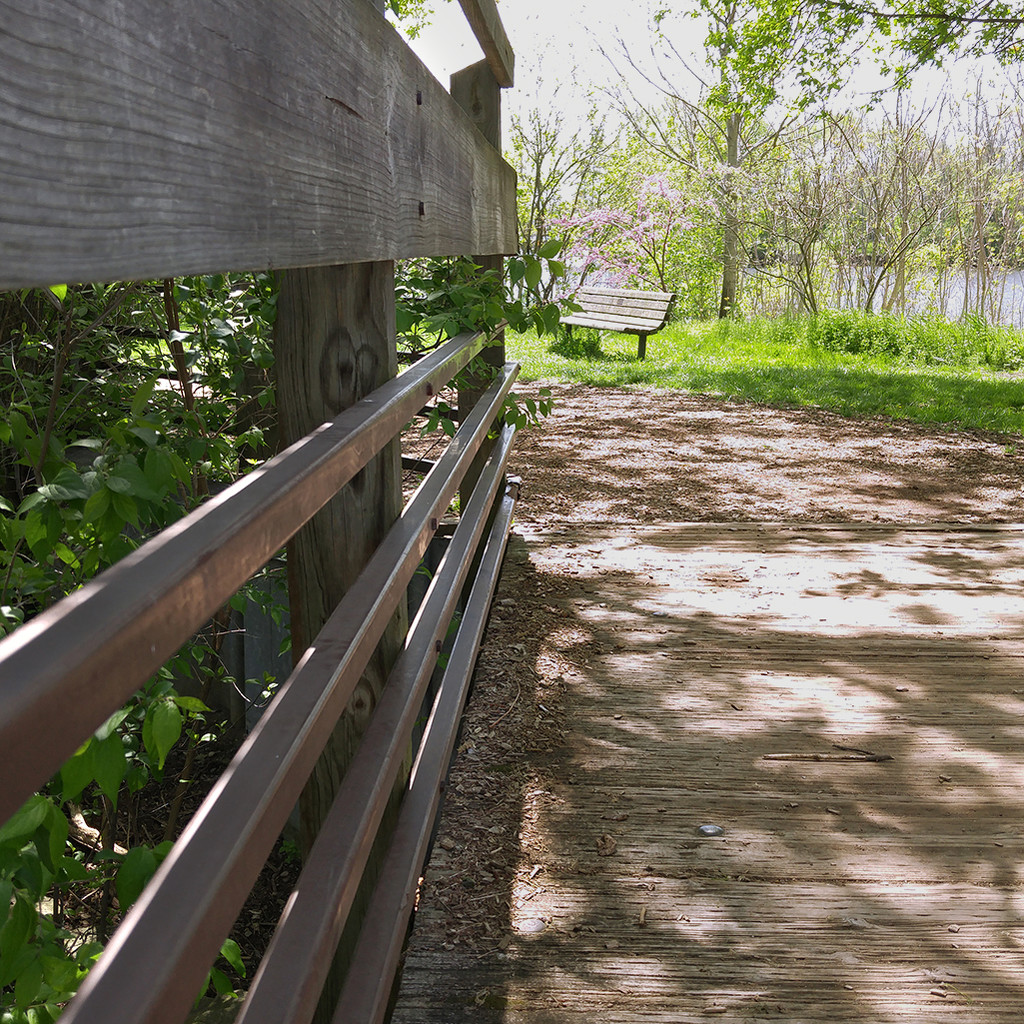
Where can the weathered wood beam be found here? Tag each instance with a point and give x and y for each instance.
(477, 91)
(140, 139)
(334, 344)
(485, 21)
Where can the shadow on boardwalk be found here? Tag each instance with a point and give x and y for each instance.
(689, 659)
(642, 679)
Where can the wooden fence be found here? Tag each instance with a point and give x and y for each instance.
(138, 140)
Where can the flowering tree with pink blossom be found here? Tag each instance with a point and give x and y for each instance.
(633, 244)
(651, 235)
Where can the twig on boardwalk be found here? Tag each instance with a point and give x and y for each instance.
(849, 754)
(519, 690)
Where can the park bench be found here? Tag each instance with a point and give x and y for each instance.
(617, 309)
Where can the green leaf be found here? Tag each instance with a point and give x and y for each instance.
(550, 249)
(60, 974)
(233, 955)
(142, 396)
(515, 268)
(109, 764)
(221, 982)
(56, 833)
(119, 484)
(6, 888)
(405, 320)
(126, 508)
(54, 523)
(129, 472)
(14, 938)
(66, 555)
(97, 505)
(30, 502)
(57, 493)
(28, 983)
(533, 272)
(161, 729)
(60, 290)
(159, 471)
(76, 773)
(147, 435)
(12, 965)
(551, 315)
(134, 873)
(192, 705)
(112, 724)
(26, 819)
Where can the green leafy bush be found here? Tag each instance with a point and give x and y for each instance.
(437, 299)
(928, 340)
(125, 404)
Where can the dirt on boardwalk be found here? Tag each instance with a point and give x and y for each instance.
(638, 457)
(611, 455)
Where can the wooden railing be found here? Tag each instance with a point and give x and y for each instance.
(143, 140)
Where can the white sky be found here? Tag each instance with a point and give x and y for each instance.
(557, 45)
(555, 42)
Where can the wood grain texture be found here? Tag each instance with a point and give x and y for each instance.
(334, 345)
(485, 21)
(882, 893)
(142, 140)
(477, 91)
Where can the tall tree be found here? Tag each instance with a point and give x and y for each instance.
(720, 117)
(557, 166)
(917, 33)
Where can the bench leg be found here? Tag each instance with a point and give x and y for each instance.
(641, 346)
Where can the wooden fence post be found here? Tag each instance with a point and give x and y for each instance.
(476, 90)
(334, 343)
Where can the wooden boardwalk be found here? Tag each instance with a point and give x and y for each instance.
(725, 670)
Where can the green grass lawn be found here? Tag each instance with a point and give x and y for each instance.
(772, 362)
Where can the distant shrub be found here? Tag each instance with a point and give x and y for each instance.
(931, 340)
(775, 330)
(856, 332)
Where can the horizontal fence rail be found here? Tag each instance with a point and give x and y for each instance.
(178, 924)
(375, 962)
(121, 627)
(313, 920)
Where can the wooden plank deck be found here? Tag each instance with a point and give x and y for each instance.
(839, 890)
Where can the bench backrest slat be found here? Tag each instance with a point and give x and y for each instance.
(617, 321)
(624, 293)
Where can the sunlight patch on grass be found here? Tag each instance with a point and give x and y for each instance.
(773, 363)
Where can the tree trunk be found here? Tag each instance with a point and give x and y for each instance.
(731, 236)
